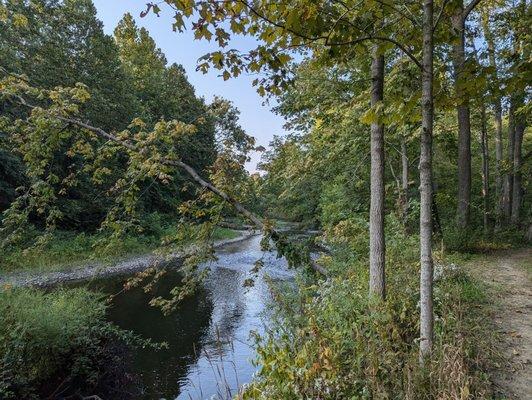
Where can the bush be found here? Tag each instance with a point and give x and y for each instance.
(475, 241)
(332, 342)
(54, 342)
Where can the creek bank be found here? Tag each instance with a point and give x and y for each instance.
(101, 270)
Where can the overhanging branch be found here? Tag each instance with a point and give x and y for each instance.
(258, 222)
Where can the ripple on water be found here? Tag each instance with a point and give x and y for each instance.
(209, 335)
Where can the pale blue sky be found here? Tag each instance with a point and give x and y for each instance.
(258, 120)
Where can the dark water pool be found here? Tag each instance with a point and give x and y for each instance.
(209, 335)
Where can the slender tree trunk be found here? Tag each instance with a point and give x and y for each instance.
(498, 120)
(464, 120)
(509, 179)
(404, 184)
(425, 177)
(484, 152)
(498, 162)
(436, 222)
(517, 196)
(377, 286)
(519, 129)
(485, 167)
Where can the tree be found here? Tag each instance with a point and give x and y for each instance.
(377, 285)
(426, 320)
(164, 92)
(233, 144)
(146, 64)
(458, 20)
(496, 99)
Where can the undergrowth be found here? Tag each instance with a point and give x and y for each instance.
(330, 341)
(59, 344)
(476, 241)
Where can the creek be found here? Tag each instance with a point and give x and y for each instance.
(209, 336)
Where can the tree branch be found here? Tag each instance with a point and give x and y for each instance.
(470, 7)
(400, 12)
(259, 224)
(384, 39)
(440, 14)
(351, 42)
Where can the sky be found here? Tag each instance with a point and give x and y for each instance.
(257, 119)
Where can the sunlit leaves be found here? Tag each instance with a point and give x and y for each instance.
(43, 133)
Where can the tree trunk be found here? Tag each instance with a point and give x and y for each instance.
(425, 177)
(484, 153)
(517, 190)
(485, 167)
(519, 129)
(436, 222)
(498, 162)
(464, 120)
(498, 121)
(508, 181)
(377, 284)
(404, 184)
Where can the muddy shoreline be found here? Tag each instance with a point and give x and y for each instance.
(99, 270)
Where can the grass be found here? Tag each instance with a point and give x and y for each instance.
(67, 250)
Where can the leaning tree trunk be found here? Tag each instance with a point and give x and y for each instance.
(425, 178)
(377, 285)
(498, 120)
(464, 120)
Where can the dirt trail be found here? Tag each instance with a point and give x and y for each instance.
(507, 272)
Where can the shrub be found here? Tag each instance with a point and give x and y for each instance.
(55, 342)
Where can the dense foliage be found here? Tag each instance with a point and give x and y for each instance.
(61, 43)
(59, 344)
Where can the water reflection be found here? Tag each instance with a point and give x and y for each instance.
(208, 336)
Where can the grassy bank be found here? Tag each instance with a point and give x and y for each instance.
(71, 249)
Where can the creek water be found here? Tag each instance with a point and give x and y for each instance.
(210, 347)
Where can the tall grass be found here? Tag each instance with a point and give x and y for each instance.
(331, 342)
